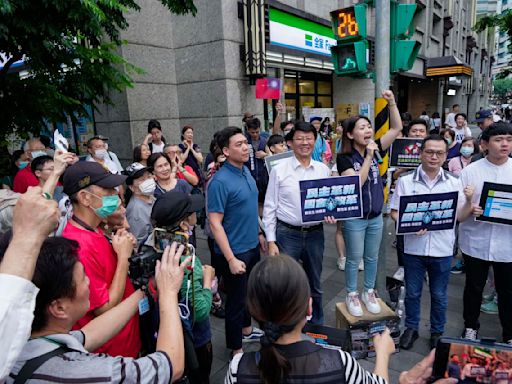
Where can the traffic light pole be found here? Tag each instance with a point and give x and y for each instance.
(382, 82)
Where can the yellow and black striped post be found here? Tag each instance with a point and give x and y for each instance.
(381, 127)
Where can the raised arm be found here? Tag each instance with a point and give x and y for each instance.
(395, 121)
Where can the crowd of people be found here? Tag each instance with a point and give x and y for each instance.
(80, 309)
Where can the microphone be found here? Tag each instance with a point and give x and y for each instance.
(376, 153)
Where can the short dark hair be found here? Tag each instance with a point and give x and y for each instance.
(38, 163)
(155, 156)
(434, 137)
(253, 123)
(461, 114)
(285, 123)
(53, 274)
(455, 105)
(476, 147)
(496, 129)
(185, 129)
(275, 139)
(418, 121)
(154, 124)
(302, 126)
(225, 135)
(450, 132)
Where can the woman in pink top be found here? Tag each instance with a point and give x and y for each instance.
(468, 148)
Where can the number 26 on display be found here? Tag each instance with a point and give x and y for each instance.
(347, 25)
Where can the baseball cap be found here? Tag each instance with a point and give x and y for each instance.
(314, 118)
(482, 115)
(134, 171)
(171, 207)
(85, 173)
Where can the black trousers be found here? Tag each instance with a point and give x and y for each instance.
(476, 277)
(400, 250)
(235, 286)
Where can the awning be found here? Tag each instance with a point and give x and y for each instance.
(447, 66)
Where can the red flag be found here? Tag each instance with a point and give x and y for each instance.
(268, 88)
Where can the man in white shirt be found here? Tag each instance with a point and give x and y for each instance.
(450, 118)
(485, 244)
(97, 148)
(282, 216)
(33, 220)
(426, 252)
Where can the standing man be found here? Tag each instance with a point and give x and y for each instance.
(91, 189)
(25, 178)
(485, 244)
(233, 216)
(282, 217)
(429, 252)
(97, 149)
(450, 118)
(257, 154)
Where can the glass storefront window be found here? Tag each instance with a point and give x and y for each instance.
(306, 86)
(290, 85)
(307, 101)
(324, 102)
(324, 88)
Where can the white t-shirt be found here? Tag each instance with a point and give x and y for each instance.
(157, 148)
(461, 133)
(450, 120)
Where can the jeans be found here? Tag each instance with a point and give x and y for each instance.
(476, 276)
(362, 241)
(307, 247)
(237, 316)
(438, 269)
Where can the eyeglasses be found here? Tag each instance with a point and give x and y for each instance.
(431, 153)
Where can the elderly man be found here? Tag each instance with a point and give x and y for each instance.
(97, 149)
(25, 178)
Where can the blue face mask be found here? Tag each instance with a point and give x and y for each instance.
(466, 151)
(22, 164)
(109, 205)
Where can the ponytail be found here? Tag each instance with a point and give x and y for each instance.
(273, 366)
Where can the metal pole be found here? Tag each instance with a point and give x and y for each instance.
(382, 82)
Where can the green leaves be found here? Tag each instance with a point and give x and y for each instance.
(71, 50)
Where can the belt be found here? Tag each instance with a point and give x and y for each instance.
(310, 228)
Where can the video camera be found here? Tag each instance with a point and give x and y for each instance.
(143, 263)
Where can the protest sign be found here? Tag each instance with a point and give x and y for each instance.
(496, 201)
(433, 212)
(272, 161)
(333, 196)
(405, 153)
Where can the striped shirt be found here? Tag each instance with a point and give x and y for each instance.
(314, 365)
(80, 366)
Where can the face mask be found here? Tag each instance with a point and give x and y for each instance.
(147, 187)
(109, 205)
(449, 141)
(36, 154)
(101, 153)
(466, 151)
(22, 164)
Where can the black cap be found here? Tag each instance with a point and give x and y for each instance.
(172, 207)
(85, 173)
(482, 115)
(134, 171)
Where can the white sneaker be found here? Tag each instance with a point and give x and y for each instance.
(370, 300)
(341, 263)
(399, 274)
(361, 265)
(470, 334)
(354, 305)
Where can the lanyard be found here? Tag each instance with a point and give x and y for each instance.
(82, 223)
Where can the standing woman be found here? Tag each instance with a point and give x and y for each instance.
(192, 155)
(363, 236)
(468, 148)
(141, 154)
(165, 173)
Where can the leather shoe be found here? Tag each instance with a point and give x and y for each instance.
(408, 338)
(433, 339)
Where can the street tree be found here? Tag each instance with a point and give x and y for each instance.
(503, 22)
(502, 89)
(70, 54)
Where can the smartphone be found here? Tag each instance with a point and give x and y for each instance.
(473, 361)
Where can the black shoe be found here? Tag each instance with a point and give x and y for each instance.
(218, 312)
(433, 339)
(408, 338)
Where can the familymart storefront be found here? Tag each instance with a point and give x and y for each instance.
(299, 53)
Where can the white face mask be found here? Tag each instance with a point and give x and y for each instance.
(38, 153)
(101, 154)
(147, 187)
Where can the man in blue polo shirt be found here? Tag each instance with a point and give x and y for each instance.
(233, 216)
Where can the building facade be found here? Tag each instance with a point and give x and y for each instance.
(195, 67)
(503, 57)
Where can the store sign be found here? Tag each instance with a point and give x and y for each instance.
(293, 32)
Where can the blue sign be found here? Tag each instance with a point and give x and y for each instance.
(433, 212)
(334, 196)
